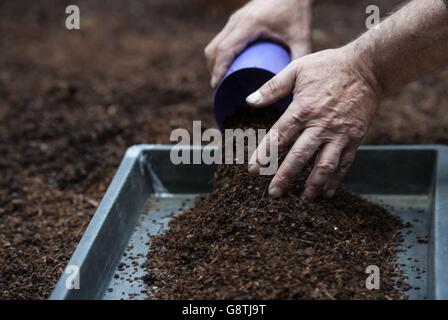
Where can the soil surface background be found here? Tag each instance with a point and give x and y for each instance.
(72, 102)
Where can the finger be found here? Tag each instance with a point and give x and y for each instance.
(261, 156)
(335, 181)
(278, 87)
(211, 50)
(228, 49)
(285, 130)
(297, 157)
(326, 165)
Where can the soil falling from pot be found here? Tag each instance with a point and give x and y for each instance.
(238, 243)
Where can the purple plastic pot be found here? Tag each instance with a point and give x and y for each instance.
(257, 64)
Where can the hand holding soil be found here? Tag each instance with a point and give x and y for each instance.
(336, 94)
(327, 115)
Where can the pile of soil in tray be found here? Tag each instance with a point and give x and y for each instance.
(238, 243)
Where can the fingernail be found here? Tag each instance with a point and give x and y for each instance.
(275, 192)
(330, 193)
(254, 98)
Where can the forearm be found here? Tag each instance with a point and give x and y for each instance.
(407, 45)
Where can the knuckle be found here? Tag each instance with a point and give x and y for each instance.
(251, 19)
(222, 48)
(234, 17)
(298, 154)
(357, 132)
(208, 51)
(338, 123)
(321, 133)
(304, 112)
(326, 124)
(326, 168)
(296, 118)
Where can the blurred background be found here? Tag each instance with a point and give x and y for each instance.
(71, 102)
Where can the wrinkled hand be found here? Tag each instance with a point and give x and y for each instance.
(286, 21)
(335, 99)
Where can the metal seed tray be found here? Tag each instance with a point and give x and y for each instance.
(411, 181)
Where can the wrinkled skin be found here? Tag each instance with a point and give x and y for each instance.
(286, 21)
(335, 99)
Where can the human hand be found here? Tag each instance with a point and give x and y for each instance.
(335, 98)
(285, 21)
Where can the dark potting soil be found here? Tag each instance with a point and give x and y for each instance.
(238, 243)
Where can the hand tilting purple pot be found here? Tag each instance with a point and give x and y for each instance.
(257, 64)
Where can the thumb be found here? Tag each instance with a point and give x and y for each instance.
(278, 87)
